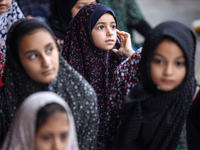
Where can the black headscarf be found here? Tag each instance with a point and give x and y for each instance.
(153, 119)
(61, 16)
(193, 125)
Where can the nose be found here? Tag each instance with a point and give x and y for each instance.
(109, 32)
(45, 61)
(56, 144)
(168, 70)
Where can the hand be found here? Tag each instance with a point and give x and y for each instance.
(126, 46)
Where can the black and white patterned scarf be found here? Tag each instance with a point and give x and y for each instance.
(6, 20)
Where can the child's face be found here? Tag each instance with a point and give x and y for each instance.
(104, 33)
(168, 67)
(39, 56)
(4, 5)
(79, 4)
(54, 133)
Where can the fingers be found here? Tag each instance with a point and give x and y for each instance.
(122, 35)
(115, 51)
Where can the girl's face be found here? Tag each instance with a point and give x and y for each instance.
(54, 133)
(79, 4)
(39, 56)
(104, 33)
(168, 67)
(4, 5)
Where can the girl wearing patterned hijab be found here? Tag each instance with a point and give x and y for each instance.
(153, 116)
(35, 65)
(40, 113)
(8, 15)
(89, 43)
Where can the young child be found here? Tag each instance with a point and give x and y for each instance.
(153, 116)
(9, 13)
(44, 121)
(91, 48)
(33, 64)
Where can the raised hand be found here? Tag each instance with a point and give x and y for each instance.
(126, 46)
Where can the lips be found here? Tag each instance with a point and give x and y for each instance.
(167, 81)
(2, 6)
(110, 41)
(47, 72)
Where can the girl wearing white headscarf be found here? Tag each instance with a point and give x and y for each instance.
(22, 133)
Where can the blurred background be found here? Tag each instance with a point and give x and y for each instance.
(185, 11)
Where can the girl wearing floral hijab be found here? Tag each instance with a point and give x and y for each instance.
(89, 43)
(153, 116)
(32, 118)
(34, 65)
(8, 15)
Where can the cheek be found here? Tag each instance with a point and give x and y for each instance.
(55, 60)
(181, 74)
(155, 73)
(9, 2)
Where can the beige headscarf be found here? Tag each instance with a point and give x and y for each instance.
(22, 132)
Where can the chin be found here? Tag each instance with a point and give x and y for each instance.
(47, 80)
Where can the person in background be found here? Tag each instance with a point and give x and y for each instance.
(9, 13)
(62, 14)
(131, 18)
(43, 122)
(39, 9)
(91, 47)
(154, 113)
(34, 65)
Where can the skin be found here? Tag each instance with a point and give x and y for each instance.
(79, 4)
(39, 57)
(53, 135)
(104, 33)
(4, 5)
(104, 36)
(168, 67)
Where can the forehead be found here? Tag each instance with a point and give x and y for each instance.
(35, 39)
(107, 17)
(169, 48)
(85, 1)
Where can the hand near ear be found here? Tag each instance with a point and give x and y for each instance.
(126, 46)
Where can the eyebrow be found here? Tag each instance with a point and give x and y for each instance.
(105, 23)
(34, 50)
(179, 57)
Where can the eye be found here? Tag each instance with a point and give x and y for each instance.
(179, 63)
(113, 27)
(49, 50)
(46, 137)
(33, 56)
(64, 136)
(100, 27)
(158, 61)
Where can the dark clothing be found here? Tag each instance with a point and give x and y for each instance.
(152, 119)
(97, 66)
(193, 125)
